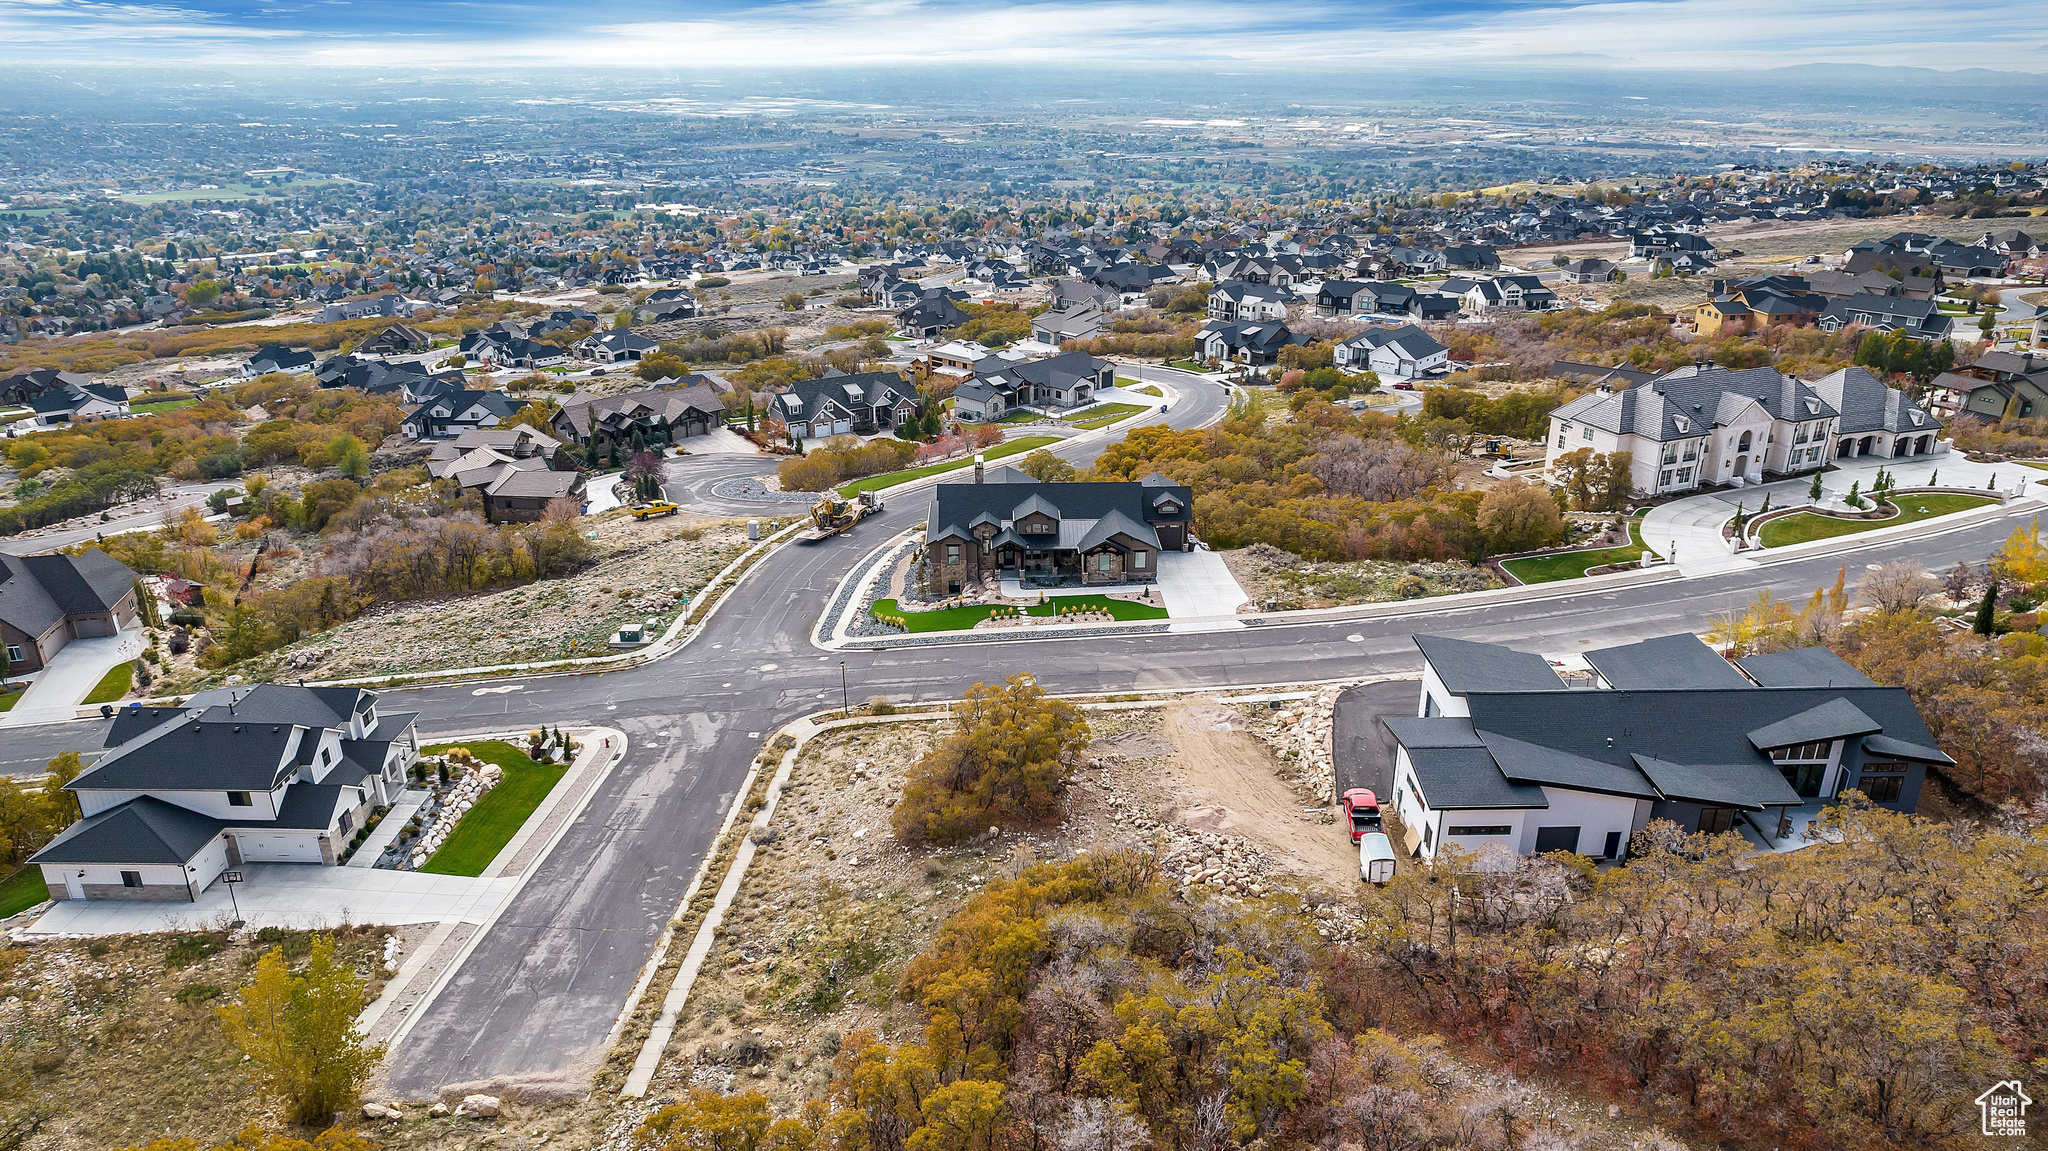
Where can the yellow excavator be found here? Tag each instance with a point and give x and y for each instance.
(833, 514)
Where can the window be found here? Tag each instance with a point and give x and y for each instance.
(1105, 562)
(1800, 436)
(1670, 453)
(1804, 751)
(952, 553)
(14, 653)
(1715, 820)
(1685, 475)
(1560, 439)
(326, 757)
(1479, 829)
(1138, 560)
(1692, 450)
(1882, 788)
(1664, 480)
(347, 823)
(131, 879)
(239, 799)
(1586, 433)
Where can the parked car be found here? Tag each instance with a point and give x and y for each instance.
(1376, 863)
(658, 508)
(1404, 386)
(1362, 812)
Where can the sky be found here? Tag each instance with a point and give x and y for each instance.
(2010, 35)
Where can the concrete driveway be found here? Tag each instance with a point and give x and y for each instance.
(71, 676)
(1196, 584)
(293, 895)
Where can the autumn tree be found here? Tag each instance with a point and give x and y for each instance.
(1520, 516)
(1005, 764)
(1043, 466)
(299, 1032)
(1897, 586)
(254, 1138)
(709, 1121)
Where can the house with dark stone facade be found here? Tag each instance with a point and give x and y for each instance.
(1006, 523)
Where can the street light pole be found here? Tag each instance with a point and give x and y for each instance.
(845, 700)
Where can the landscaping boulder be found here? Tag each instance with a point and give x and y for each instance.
(477, 1107)
(380, 1111)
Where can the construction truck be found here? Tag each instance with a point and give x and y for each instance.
(833, 515)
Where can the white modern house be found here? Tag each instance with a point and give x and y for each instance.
(1704, 424)
(1504, 751)
(1403, 353)
(272, 773)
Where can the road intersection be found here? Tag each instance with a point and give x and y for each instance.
(539, 993)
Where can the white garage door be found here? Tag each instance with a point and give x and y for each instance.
(279, 847)
(842, 427)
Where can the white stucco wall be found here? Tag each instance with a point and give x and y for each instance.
(1593, 814)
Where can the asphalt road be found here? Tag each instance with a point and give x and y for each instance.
(539, 994)
(1362, 750)
(131, 518)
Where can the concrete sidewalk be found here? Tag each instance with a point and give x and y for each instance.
(71, 675)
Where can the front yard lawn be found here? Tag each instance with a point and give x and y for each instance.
(891, 479)
(1105, 415)
(497, 817)
(11, 696)
(1808, 526)
(22, 890)
(1150, 390)
(962, 618)
(152, 407)
(113, 685)
(1572, 565)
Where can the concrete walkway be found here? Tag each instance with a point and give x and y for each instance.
(1689, 530)
(70, 677)
(409, 801)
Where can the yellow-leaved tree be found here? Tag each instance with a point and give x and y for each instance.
(299, 1032)
(2023, 561)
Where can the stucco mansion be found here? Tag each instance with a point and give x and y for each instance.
(1706, 425)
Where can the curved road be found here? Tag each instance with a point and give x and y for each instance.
(541, 990)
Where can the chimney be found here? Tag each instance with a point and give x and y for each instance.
(979, 462)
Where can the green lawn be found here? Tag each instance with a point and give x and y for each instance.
(1572, 565)
(10, 697)
(497, 817)
(113, 685)
(961, 618)
(891, 479)
(154, 407)
(22, 890)
(1808, 526)
(1106, 414)
(1187, 365)
(1150, 390)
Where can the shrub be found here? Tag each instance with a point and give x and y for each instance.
(1005, 764)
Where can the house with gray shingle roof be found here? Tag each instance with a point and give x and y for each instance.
(1504, 753)
(1704, 425)
(1080, 533)
(272, 773)
(47, 601)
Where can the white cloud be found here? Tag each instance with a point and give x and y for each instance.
(2011, 34)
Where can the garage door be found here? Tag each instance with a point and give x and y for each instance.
(1556, 839)
(842, 427)
(262, 847)
(90, 628)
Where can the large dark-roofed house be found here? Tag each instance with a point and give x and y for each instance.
(1090, 533)
(49, 600)
(1505, 751)
(272, 773)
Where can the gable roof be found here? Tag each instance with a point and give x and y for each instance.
(144, 830)
(1465, 666)
(37, 592)
(1803, 667)
(1682, 660)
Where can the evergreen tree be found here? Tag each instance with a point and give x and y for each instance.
(1987, 611)
(1813, 493)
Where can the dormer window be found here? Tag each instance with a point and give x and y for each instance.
(326, 757)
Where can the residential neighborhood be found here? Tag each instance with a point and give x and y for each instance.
(1022, 579)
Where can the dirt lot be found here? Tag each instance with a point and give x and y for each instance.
(79, 1018)
(1287, 581)
(641, 570)
(833, 908)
